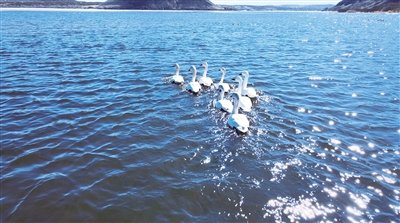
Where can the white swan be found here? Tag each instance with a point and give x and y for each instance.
(222, 103)
(204, 80)
(177, 78)
(244, 102)
(193, 86)
(247, 91)
(221, 82)
(236, 120)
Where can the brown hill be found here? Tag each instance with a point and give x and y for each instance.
(367, 6)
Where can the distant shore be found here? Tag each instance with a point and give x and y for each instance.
(172, 11)
(86, 6)
(100, 6)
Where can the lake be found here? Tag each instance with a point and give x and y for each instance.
(93, 131)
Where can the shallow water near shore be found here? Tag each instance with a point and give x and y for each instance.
(91, 129)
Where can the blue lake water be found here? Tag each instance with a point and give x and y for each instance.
(91, 129)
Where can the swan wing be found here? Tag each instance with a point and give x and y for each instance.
(197, 86)
(224, 105)
(251, 92)
(226, 87)
(201, 80)
(239, 122)
(245, 104)
(193, 87)
(208, 81)
(178, 79)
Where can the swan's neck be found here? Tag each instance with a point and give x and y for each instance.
(240, 86)
(245, 81)
(194, 76)
(222, 78)
(221, 95)
(235, 106)
(177, 71)
(205, 71)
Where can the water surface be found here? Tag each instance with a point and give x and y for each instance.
(91, 130)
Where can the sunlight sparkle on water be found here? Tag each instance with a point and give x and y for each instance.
(316, 129)
(296, 209)
(335, 141)
(356, 149)
(302, 110)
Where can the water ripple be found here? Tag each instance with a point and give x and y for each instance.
(92, 130)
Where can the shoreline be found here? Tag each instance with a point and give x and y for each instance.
(50, 9)
(149, 10)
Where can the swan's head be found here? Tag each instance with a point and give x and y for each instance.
(244, 73)
(205, 64)
(192, 68)
(222, 69)
(221, 88)
(177, 66)
(238, 78)
(235, 97)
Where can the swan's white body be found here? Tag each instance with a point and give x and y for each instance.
(225, 86)
(222, 103)
(236, 120)
(193, 86)
(247, 91)
(177, 78)
(244, 102)
(204, 80)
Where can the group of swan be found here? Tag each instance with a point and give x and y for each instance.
(241, 96)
